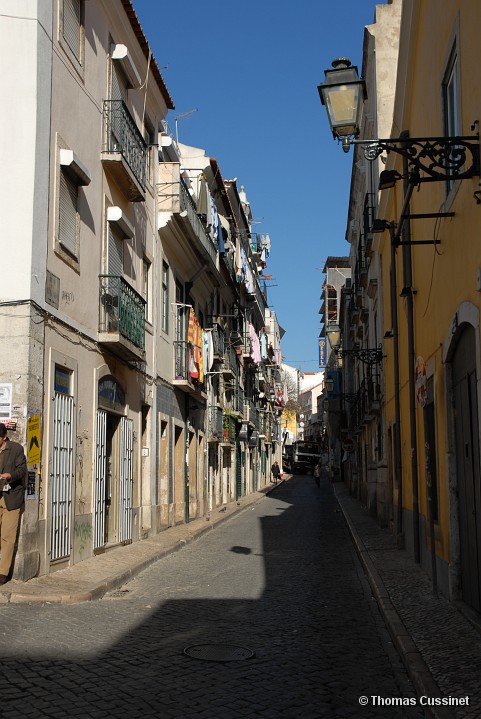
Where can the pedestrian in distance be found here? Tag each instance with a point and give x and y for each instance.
(276, 471)
(13, 482)
(317, 473)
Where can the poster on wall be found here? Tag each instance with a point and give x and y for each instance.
(5, 401)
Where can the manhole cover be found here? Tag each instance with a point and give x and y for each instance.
(218, 652)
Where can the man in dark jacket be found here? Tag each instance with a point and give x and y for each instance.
(13, 480)
(276, 471)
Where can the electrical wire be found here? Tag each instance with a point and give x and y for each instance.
(437, 229)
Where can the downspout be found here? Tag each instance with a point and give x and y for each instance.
(186, 462)
(408, 294)
(397, 403)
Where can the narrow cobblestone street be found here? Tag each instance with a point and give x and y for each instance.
(281, 578)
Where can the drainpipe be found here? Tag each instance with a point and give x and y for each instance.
(408, 294)
(397, 403)
(186, 462)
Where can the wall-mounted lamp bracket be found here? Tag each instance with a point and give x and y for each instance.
(370, 356)
(438, 158)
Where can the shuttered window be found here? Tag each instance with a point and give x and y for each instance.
(165, 297)
(68, 213)
(72, 25)
(115, 252)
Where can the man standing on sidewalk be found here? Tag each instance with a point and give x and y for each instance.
(13, 478)
(276, 471)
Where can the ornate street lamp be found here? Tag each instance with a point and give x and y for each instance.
(333, 332)
(428, 158)
(342, 93)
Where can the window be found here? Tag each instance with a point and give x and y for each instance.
(180, 306)
(146, 287)
(63, 380)
(68, 217)
(165, 297)
(72, 30)
(149, 140)
(451, 102)
(115, 251)
(72, 175)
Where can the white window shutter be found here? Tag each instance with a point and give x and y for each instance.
(67, 221)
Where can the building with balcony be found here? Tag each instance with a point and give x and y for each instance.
(362, 400)
(77, 303)
(141, 343)
(220, 385)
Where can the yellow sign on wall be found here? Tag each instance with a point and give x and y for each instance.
(33, 435)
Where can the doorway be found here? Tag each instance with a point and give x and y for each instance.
(467, 466)
(113, 480)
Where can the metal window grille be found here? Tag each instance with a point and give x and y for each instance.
(100, 472)
(126, 479)
(62, 476)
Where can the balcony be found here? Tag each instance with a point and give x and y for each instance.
(228, 429)
(218, 342)
(174, 197)
(237, 403)
(229, 263)
(121, 318)
(251, 413)
(125, 151)
(214, 424)
(255, 294)
(183, 378)
(229, 366)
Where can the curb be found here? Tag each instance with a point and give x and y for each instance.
(412, 659)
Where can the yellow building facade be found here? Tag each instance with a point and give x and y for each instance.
(432, 403)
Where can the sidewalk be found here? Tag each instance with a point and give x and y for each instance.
(440, 647)
(93, 577)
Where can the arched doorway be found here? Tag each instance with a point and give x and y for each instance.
(467, 464)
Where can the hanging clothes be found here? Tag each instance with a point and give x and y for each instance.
(263, 345)
(255, 345)
(194, 338)
(202, 200)
(238, 260)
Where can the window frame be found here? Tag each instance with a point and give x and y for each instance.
(451, 103)
(164, 326)
(71, 175)
(76, 58)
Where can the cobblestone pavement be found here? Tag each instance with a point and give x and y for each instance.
(281, 578)
(448, 644)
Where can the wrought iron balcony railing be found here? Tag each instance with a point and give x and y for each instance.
(122, 310)
(183, 362)
(123, 136)
(228, 429)
(229, 362)
(215, 426)
(174, 197)
(218, 341)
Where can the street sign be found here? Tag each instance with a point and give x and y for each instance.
(33, 444)
(322, 353)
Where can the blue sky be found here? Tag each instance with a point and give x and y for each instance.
(251, 70)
